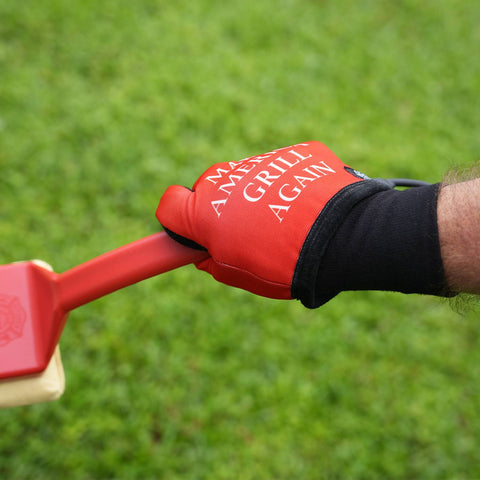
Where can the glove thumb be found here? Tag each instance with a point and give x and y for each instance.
(173, 211)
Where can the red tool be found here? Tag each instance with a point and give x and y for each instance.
(35, 302)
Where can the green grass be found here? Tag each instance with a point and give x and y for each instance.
(105, 104)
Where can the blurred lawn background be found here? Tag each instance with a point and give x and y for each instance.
(103, 105)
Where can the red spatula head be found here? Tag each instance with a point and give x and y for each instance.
(29, 316)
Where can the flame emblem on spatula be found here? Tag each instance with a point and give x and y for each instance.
(12, 319)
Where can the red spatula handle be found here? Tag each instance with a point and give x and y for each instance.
(126, 265)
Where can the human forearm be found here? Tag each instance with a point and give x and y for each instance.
(459, 231)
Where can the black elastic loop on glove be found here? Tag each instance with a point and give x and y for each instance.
(385, 241)
(183, 240)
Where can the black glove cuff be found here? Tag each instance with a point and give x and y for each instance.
(326, 225)
(371, 237)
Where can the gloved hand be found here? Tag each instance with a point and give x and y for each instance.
(267, 220)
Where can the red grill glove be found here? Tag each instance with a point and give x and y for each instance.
(267, 220)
